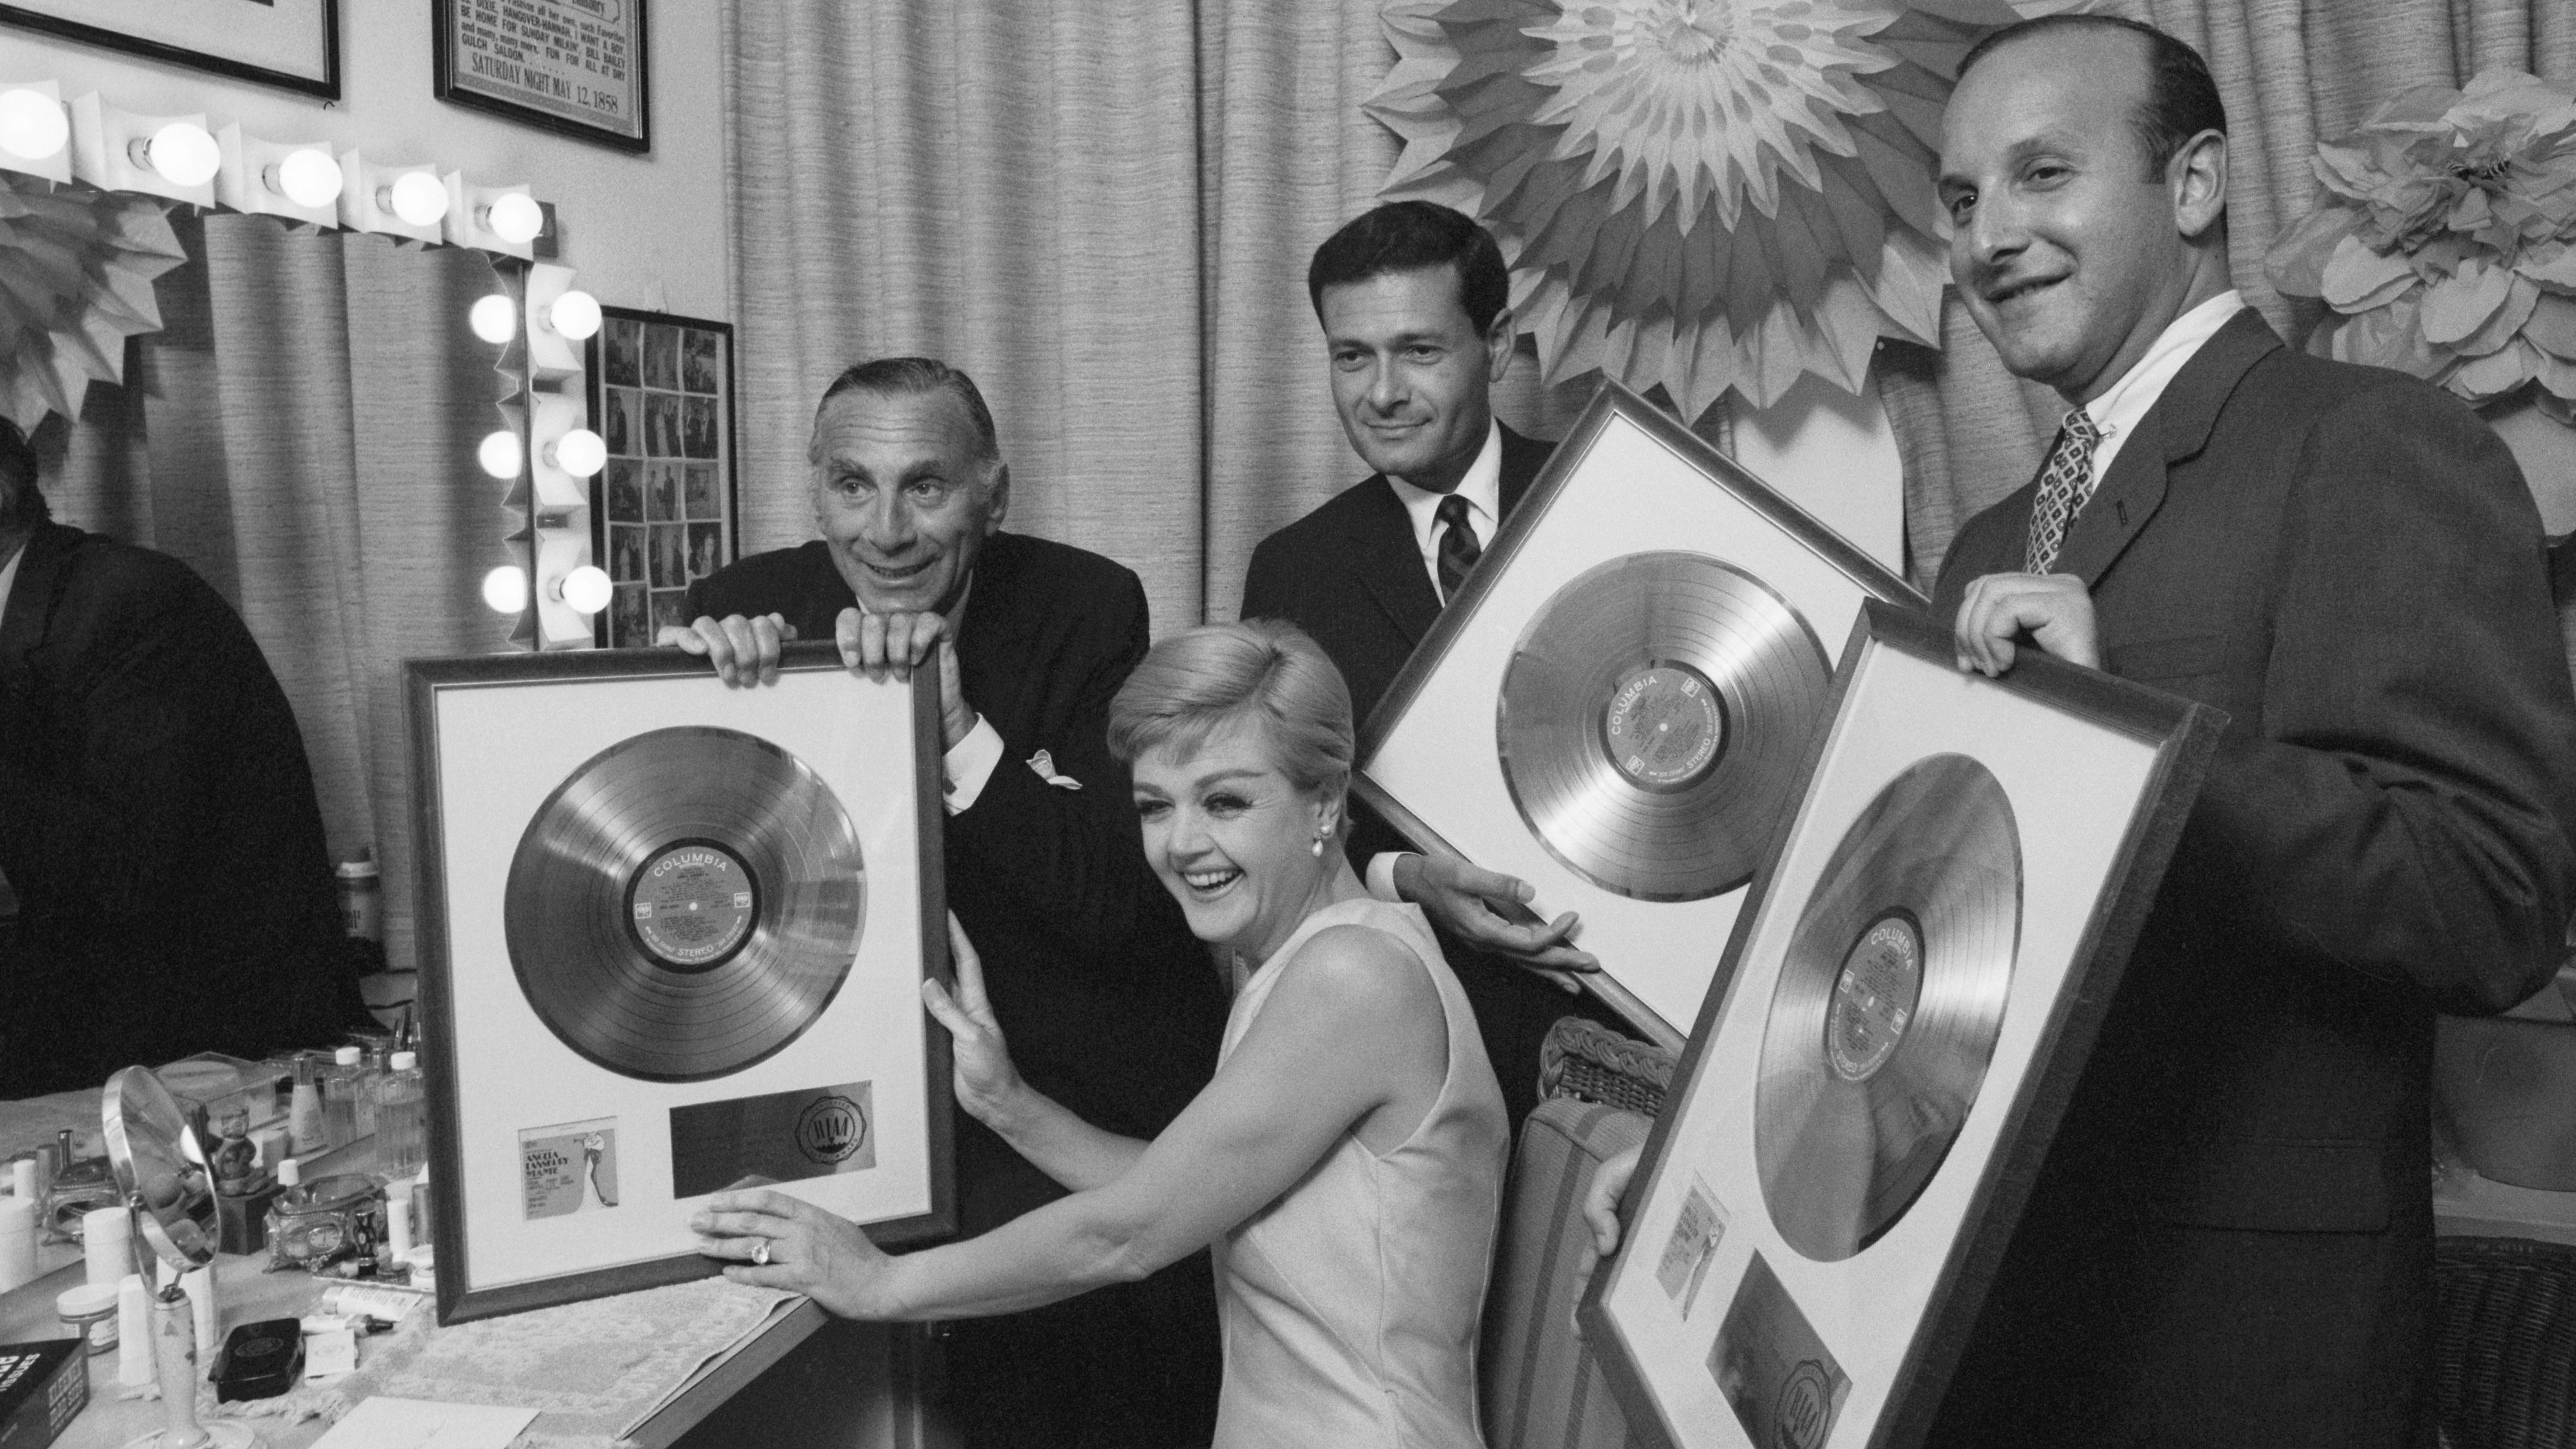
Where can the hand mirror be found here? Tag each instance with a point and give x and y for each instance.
(160, 1168)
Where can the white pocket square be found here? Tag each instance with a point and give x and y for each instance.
(1044, 764)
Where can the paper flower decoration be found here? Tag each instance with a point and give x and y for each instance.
(2448, 246)
(76, 270)
(1709, 194)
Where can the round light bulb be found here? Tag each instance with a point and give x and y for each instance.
(586, 589)
(418, 198)
(308, 177)
(495, 319)
(500, 455)
(581, 452)
(506, 589)
(575, 315)
(515, 218)
(184, 154)
(32, 124)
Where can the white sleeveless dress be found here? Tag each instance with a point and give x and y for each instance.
(1350, 1304)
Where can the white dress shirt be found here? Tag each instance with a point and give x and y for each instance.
(1483, 490)
(2118, 410)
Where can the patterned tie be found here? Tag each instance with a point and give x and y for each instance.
(1458, 547)
(2063, 486)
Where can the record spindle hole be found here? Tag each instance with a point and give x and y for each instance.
(1874, 996)
(1664, 726)
(692, 905)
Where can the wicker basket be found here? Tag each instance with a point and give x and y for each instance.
(2504, 1342)
(1589, 1062)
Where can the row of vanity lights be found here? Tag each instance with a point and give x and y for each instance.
(178, 157)
(91, 142)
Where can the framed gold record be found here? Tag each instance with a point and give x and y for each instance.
(1909, 992)
(672, 941)
(1618, 705)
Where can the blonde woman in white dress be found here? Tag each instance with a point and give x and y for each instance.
(1346, 1163)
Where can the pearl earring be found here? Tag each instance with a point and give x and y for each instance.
(1317, 845)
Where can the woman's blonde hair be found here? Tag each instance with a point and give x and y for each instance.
(1202, 680)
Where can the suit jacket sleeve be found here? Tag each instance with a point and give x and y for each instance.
(2402, 805)
(1070, 857)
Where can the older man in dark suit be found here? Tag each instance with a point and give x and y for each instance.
(1411, 298)
(2230, 1241)
(157, 817)
(1112, 1007)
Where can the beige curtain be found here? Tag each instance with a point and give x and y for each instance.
(1104, 212)
(302, 434)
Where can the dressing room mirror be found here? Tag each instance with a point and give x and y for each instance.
(300, 428)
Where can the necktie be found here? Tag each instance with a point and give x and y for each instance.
(1458, 547)
(2063, 486)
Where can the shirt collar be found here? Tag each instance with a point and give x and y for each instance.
(2118, 410)
(1482, 488)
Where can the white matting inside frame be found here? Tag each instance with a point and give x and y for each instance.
(2065, 777)
(1631, 494)
(500, 759)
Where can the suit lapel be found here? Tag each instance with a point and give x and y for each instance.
(993, 638)
(2175, 429)
(1389, 563)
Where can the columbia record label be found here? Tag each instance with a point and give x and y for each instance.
(1652, 721)
(685, 904)
(1888, 1003)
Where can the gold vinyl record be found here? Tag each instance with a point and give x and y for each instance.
(1889, 1000)
(1652, 721)
(685, 904)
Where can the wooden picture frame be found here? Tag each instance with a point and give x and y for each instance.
(1629, 488)
(1905, 1006)
(576, 69)
(665, 509)
(291, 44)
(672, 940)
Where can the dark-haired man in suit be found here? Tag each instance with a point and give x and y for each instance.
(1112, 1006)
(2230, 1242)
(1411, 299)
(157, 817)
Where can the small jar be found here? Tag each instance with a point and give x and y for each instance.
(89, 1311)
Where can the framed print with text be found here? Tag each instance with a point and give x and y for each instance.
(575, 67)
(662, 509)
(672, 939)
(1918, 973)
(290, 44)
(1615, 706)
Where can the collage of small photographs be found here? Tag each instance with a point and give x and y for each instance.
(664, 502)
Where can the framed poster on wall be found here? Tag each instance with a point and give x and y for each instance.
(577, 67)
(291, 44)
(662, 509)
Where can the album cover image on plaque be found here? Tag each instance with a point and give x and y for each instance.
(1913, 984)
(1618, 705)
(673, 937)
